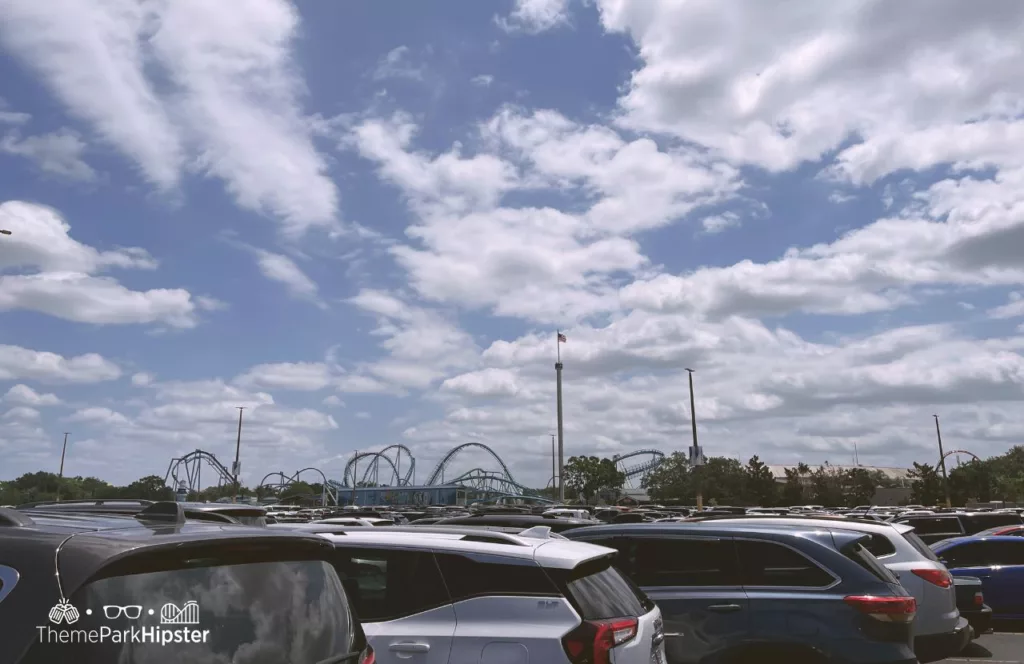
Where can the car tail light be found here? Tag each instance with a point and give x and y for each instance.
(979, 600)
(368, 656)
(938, 577)
(592, 641)
(885, 609)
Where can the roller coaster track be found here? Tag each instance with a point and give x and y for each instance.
(371, 469)
(437, 476)
(490, 482)
(952, 452)
(192, 464)
(635, 470)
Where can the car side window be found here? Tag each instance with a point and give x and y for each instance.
(680, 561)
(768, 564)
(390, 584)
(969, 554)
(879, 545)
(467, 578)
(1004, 553)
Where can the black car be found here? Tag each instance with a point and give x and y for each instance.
(970, 600)
(250, 515)
(936, 527)
(155, 588)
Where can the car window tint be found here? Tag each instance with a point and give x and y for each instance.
(676, 561)
(879, 545)
(968, 554)
(975, 523)
(467, 578)
(924, 525)
(858, 554)
(391, 584)
(600, 591)
(1004, 553)
(770, 564)
(255, 612)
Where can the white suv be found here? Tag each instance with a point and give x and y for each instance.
(939, 630)
(433, 595)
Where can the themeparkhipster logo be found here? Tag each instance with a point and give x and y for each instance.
(177, 625)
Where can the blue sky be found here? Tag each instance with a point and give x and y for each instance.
(365, 225)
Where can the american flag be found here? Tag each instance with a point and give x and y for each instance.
(561, 338)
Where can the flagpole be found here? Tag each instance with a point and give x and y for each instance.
(558, 391)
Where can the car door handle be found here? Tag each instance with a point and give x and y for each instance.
(409, 647)
(724, 608)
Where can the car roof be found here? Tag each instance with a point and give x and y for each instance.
(844, 524)
(949, 541)
(547, 551)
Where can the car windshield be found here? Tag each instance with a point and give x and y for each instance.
(257, 613)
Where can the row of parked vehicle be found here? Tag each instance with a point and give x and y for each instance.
(487, 586)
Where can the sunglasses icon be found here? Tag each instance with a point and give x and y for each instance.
(113, 611)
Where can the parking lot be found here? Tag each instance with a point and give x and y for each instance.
(1003, 647)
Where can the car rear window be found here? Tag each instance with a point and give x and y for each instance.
(919, 545)
(860, 555)
(879, 545)
(294, 611)
(926, 525)
(600, 592)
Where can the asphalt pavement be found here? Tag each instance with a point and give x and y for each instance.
(1001, 647)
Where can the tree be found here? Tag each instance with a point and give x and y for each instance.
(150, 487)
(671, 480)
(760, 483)
(793, 490)
(859, 486)
(588, 476)
(721, 480)
(926, 485)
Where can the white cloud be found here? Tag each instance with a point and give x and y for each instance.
(280, 268)
(483, 80)
(67, 285)
(332, 401)
(535, 16)
(302, 376)
(719, 222)
(775, 85)
(26, 396)
(98, 415)
(398, 64)
(233, 77)
(17, 363)
(58, 153)
(1012, 309)
(142, 379)
(22, 413)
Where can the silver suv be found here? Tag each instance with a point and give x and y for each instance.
(433, 595)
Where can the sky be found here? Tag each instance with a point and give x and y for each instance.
(365, 222)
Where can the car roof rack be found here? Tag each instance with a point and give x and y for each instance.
(87, 502)
(469, 533)
(795, 517)
(9, 517)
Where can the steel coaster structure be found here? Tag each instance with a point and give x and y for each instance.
(638, 465)
(974, 457)
(186, 471)
(327, 492)
(479, 479)
(370, 464)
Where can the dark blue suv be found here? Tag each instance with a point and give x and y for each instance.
(744, 593)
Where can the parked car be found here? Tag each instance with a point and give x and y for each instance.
(1003, 531)
(939, 630)
(934, 527)
(970, 599)
(459, 594)
(174, 590)
(746, 593)
(250, 515)
(997, 561)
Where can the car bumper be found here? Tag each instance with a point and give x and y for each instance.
(946, 644)
(980, 619)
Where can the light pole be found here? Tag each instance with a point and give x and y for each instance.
(60, 477)
(695, 455)
(942, 462)
(236, 468)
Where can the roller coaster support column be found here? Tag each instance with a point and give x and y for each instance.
(945, 480)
